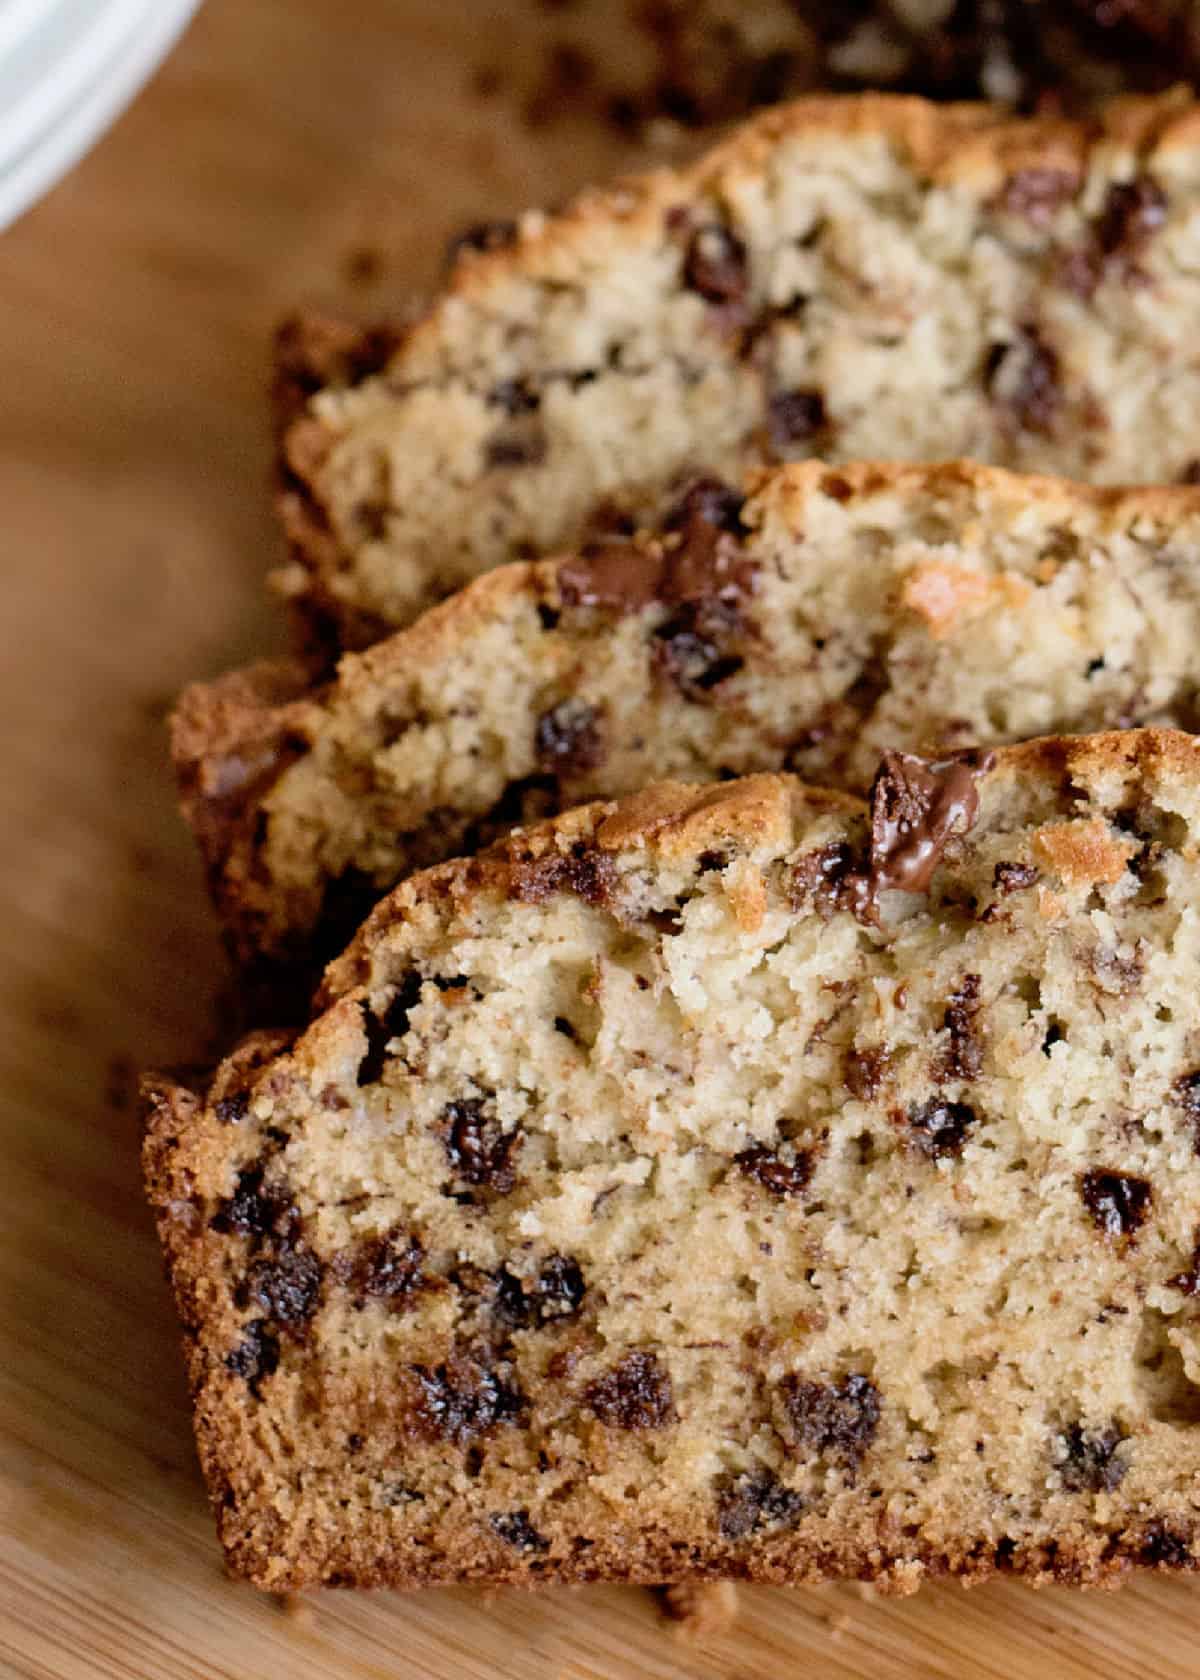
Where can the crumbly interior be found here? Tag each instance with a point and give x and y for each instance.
(841, 612)
(636, 1209)
(859, 279)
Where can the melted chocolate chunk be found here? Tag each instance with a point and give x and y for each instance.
(556, 1293)
(515, 396)
(776, 1172)
(384, 1268)
(381, 1029)
(838, 1420)
(612, 573)
(465, 1398)
(715, 265)
(916, 806)
(1024, 379)
(231, 1111)
(795, 418)
(569, 739)
(1118, 1205)
(590, 875)
(516, 1530)
(1037, 193)
(287, 1289)
(479, 1150)
(964, 1054)
(256, 1210)
(519, 446)
(1089, 1462)
(939, 1129)
(754, 1501)
(865, 1071)
(257, 1354)
(635, 1393)
(1008, 878)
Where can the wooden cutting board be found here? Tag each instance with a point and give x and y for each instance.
(292, 149)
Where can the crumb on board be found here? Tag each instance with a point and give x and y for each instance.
(700, 1608)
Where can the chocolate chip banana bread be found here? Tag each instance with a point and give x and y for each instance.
(710, 60)
(836, 612)
(733, 1181)
(872, 278)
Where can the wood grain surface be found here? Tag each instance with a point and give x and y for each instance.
(291, 150)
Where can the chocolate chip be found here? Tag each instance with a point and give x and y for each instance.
(231, 1111)
(479, 1150)
(1118, 1205)
(1008, 878)
(496, 235)
(1037, 193)
(1087, 1459)
(286, 1289)
(590, 875)
(517, 447)
(516, 1530)
(754, 1501)
(707, 501)
(1024, 379)
(569, 738)
(834, 1419)
(1189, 1281)
(939, 1129)
(515, 396)
(1190, 472)
(715, 264)
(691, 649)
(1186, 1093)
(865, 1071)
(556, 1293)
(1132, 214)
(383, 1268)
(635, 1393)
(256, 1210)
(465, 1398)
(382, 1029)
(1163, 1548)
(795, 418)
(830, 879)
(256, 1355)
(782, 1174)
(964, 1054)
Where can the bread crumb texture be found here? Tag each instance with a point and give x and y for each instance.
(736, 1181)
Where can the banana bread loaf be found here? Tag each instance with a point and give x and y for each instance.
(871, 278)
(837, 612)
(728, 1182)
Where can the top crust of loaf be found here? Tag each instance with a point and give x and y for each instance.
(679, 823)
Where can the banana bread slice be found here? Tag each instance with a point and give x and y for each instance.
(837, 612)
(870, 278)
(731, 1181)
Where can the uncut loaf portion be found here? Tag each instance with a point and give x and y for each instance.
(853, 278)
(726, 1182)
(836, 612)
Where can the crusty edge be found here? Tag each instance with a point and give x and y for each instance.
(684, 821)
(974, 145)
(250, 714)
